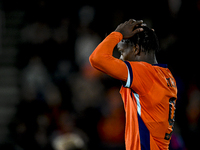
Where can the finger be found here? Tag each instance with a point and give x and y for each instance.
(138, 22)
(131, 20)
(137, 31)
(143, 24)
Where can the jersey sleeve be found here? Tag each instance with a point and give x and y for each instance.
(102, 58)
(135, 75)
(140, 77)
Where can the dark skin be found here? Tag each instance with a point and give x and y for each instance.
(129, 52)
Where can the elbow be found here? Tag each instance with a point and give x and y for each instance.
(92, 60)
(95, 61)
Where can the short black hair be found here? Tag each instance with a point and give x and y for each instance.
(147, 40)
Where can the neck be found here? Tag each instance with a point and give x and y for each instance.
(146, 57)
(151, 60)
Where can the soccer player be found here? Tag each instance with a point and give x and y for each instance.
(149, 90)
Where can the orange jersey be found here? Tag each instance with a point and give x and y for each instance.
(149, 94)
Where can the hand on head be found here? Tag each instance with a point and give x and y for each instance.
(127, 28)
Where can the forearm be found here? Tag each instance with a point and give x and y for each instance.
(103, 60)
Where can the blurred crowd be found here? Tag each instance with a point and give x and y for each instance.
(65, 103)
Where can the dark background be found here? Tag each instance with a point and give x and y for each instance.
(51, 98)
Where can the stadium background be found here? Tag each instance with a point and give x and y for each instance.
(50, 97)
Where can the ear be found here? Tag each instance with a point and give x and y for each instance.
(136, 49)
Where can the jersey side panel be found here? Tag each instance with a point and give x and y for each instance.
(132, 136)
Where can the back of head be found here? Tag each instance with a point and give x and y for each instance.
(146, 40)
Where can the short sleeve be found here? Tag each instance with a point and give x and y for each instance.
(140, 77)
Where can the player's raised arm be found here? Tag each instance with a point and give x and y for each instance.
(102, 58)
